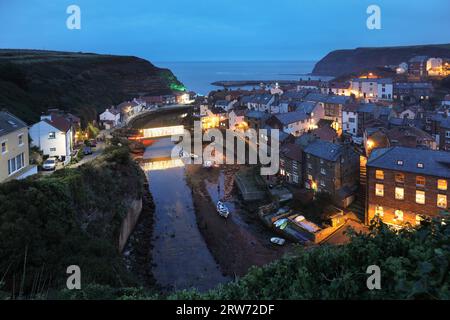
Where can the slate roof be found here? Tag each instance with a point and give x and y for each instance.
(306, 107)
(445, 124)
(324, 150)
(257, 114)
(367, 108)
(292, 151)
(435, 163)
(290, 117)
(9, 123)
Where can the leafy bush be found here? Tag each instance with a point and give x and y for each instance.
(70, 217)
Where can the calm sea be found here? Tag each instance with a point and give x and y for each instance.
(198, 76)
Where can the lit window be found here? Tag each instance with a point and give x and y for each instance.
(420, 165)
(442, 184)
(379, 212)
(419, 219)
(379, 190)
(399, 178)
(399, 193)
(420, 181)
(4, 147)
(379, 174)
(282, 172)
(400, 162)
(420, 197)
(398, 215)
(442, 201)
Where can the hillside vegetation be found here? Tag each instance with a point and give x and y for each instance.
(71, 217)
(342, 62)
(32, 81)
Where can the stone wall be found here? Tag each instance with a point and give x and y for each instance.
(129, 222)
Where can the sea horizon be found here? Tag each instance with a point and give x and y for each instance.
(198, 76)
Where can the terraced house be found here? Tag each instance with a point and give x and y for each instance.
(14, 151)
(404, 185)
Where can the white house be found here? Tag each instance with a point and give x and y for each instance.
(53, 136)
(236, 119)
(372, 89)
(110, 117)
(350, 119)
(225, 104)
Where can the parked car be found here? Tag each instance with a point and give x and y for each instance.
(49, 164)
(93, 143)
(87, 150)
(278, 241)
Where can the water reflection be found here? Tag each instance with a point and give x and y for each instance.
(180, 255)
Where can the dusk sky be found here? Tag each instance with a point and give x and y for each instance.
(217, 30)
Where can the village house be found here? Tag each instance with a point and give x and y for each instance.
(14, 149)
(225, 104)
(417, 66)
(404, 185)
(259, 102)
(368, 113)
(53, 135)
(295, 123)
(256, 119)
(337, 88)
(236, 118)
(372, 89)
(446, 100)
(332, 168)
(350, 119)
(110, 118)
(291, 163)
(411, 137)
(413, 91)
(444, 135)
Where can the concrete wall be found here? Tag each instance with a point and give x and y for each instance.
(129, 222)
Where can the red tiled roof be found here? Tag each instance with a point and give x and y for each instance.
(59, 123)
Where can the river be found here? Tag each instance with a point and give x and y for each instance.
(181, 258)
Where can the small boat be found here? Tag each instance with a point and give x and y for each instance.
(278, 241)
(222, 209)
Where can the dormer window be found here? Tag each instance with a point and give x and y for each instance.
(420, 165)
(400, 162)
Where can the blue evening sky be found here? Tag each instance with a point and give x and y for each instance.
(218, 30)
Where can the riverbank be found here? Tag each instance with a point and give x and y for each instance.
(235, 247)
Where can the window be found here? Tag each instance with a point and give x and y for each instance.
(442, 184)
(322, 171)
(447, 134)
(20, 137)
(51, 135)
(322, 183)
(4, 147)
(309, 166)
(399, 193)
(399, 178)
(400, 162)
(321, 161)
(419, 219)
(282, 172)
(398, 215)
(442, 201)
(420, 165)
(15, 164)
(351, 120)
(52, 149)
(295, 178)
(379, 174)
(379, 190)
(379, 212)
(420, 197)
(420, 181)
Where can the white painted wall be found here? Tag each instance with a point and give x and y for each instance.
(348, 126)
(58, 147)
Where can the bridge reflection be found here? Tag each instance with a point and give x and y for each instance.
(161, 164)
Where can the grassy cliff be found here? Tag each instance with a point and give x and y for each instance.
(71, 217)
(32, 81)
(342, 62)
